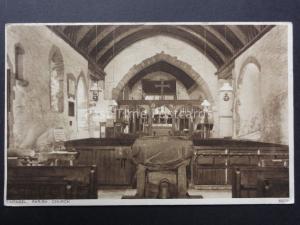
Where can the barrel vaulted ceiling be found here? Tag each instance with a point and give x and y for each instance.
(101, 43)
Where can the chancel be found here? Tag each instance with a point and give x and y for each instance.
(112, 111)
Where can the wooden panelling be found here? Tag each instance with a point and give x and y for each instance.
(113, 164)
(212, 165)
(51, 182)
(209, 176)
(249, 182)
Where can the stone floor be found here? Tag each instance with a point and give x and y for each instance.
(206, 193)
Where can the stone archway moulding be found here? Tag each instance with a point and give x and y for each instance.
(239, 81)
(249, 60)
(82, 109)
(56, 63)
(82, 76)
(56, 56)
(169, 59)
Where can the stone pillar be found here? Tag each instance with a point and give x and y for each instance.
(225, 110)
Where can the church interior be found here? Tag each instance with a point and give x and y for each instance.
(143, 111)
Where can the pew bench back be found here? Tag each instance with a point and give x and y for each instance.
(213, 165)
(112, 156)
(51, 182)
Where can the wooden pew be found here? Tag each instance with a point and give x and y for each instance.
(51, 182)
(110, 155)
(249, 182)
(215, 159)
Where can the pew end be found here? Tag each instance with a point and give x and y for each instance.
(268, 182)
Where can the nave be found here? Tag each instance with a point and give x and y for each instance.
(109, 111)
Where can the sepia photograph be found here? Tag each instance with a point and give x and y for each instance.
(149, 113)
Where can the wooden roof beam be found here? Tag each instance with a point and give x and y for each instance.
(220, 54)
(118, 38)
(238, 33)
(100, 36)
(84, 29)
(220, 37)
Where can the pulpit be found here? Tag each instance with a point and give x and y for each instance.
(162, 163)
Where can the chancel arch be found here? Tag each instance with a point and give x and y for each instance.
(165, 63)
(248, 105)
(56, 69)
(82, 106)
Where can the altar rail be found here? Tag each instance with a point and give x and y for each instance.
(51, 182)
(213, 165)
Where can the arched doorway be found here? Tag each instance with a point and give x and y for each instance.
(82, 107)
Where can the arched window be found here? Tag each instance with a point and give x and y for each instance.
(82, 106)
(248, 102)
(19, 59)
(56, 80)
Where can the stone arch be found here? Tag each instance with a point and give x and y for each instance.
(249, 60)
(171, 60)
(82, 106)
(56, 70)
(56, 55)
(82, 78)
(248, 107)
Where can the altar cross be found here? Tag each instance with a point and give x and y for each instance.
(162, 86)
